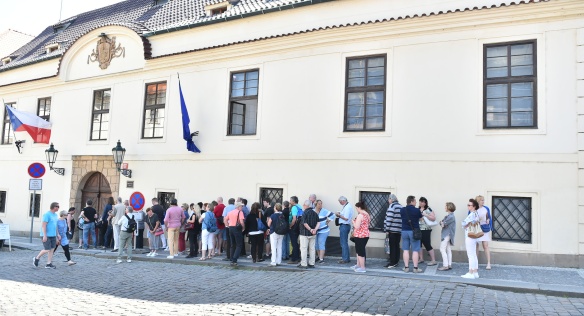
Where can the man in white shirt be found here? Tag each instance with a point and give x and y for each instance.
(118, 212)
(345, 216)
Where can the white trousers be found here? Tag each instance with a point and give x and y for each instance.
(276, 245)
(117, 230)
(207, 240)
(471, 252)
(446, 251)
(163, 236)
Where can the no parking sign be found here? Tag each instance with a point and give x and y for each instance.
(137, 201)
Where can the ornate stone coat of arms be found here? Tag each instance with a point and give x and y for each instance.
(105, 51)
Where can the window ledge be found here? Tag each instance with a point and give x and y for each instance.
(511, 131)
(241, 137)
(344, 134)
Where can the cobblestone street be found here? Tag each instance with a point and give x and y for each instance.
(100, 286)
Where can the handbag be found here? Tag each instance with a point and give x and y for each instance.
(475, 231)
(190, 226)
(352, 235)
(337, 222)
(386, 245)
(429, 222)
(158, 232)
(417, 232)
(238, 223)
(261, 225)
(69, 235)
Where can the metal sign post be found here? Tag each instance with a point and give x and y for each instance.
(34, 185)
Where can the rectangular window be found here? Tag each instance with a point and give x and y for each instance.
(44, 109)
(510, 85)
(154, 103)
(164, 199)
(37, 204)
(2, 201)
(377, 203)
(274, 194)
(100, 114)
(243, 103)
(7, 133)
(365, 94)
(512, 219)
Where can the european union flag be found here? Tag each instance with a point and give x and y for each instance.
(185, 121)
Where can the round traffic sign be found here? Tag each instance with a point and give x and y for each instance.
(36, 170)
(137, 201)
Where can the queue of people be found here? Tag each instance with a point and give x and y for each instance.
(412, 226)
(214, 229)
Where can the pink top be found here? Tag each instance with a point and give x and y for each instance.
(174, 217)
(363, 230)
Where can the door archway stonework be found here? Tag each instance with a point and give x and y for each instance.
(84, 167)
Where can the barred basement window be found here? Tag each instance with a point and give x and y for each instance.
(377, 203)
(512, 219)
(274, 194)
(164, 199)
(2, 201)
(37, 205)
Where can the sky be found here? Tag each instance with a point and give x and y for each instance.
(33, 16)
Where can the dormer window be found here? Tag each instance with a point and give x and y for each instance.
(159, 2)
(6, 61)
(51, 48)
(218, 11)
(58, 28)
(218, 8)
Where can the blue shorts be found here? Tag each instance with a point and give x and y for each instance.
(223, 233)
(408, 240)
(321, 240)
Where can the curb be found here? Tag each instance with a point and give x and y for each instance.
(493, 284)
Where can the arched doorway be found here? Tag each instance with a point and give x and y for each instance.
(98, 190)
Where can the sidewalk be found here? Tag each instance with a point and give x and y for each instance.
(524, 279)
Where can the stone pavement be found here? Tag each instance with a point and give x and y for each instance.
(522, 279)
(98, 286)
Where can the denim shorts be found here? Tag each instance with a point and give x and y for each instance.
(408, 240)
(321, 240)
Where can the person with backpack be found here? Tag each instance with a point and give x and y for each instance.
(278, 228)
(208, 229)
(128, 226)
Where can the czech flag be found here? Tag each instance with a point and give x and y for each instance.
(36, 127)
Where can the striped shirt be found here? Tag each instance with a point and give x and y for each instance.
(393, 222)
(323, 216)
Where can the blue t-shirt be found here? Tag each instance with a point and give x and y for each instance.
(275, 217)
(295, 211)
(51, 219)
(414, 214)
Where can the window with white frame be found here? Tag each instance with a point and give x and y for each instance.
(100, 114)
(243, 103)
(510, 85)
(154, 104)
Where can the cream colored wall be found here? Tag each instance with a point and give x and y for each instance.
(434, 144)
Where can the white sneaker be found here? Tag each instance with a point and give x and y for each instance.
(129, 260)
(170, 257)
(468, 276)
(360, 270)
(166, 249)
(354, 267)
(119, 261)
(154, 254)
(249, 257)
(476, 275)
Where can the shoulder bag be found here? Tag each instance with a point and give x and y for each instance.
(474, 231)
(429, 222)
(487, 227)
(417, 232)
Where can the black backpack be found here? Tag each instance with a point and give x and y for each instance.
(132, 225)
(281, 227)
